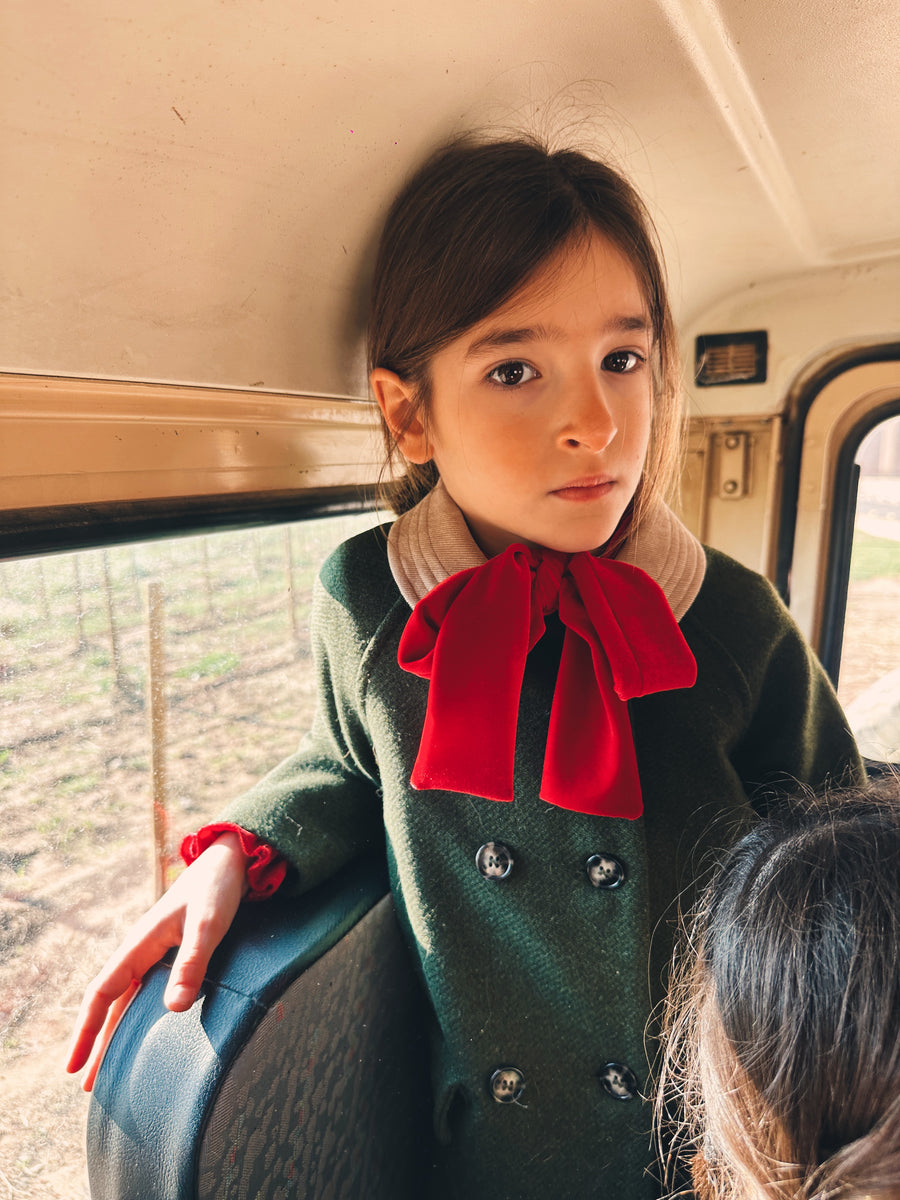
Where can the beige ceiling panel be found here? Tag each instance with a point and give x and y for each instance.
(191, 192)
(825, 75)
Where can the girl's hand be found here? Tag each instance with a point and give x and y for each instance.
(194, 914)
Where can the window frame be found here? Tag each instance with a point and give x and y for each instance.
(840, 542)
(88, 462)
(830, 403)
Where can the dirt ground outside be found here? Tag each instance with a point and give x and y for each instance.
(76, 860)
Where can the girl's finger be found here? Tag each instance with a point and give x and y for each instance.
(121, 972)
(98, 1000)
(192, 960)
(184, 984)
(206, 921)
(116, 1011)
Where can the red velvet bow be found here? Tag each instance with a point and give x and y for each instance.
(471, 635)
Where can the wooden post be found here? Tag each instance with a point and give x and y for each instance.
(42, 589)
(135, 581)
(156, 677)
(289, 555)
(207, 578)
(114, 650)
(79, 602)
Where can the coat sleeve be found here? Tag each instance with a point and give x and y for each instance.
(320, 808)
(797, 733)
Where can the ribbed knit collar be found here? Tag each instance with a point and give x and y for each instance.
(432, 541)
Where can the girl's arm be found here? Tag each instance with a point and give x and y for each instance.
(319, 809)
(194, 914)
(795, 731)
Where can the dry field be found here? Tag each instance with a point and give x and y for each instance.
(76, 859)
(871, 635)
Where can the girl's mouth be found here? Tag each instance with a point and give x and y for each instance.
(582, 490)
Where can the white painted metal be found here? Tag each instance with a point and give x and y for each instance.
(840, 406)
(190, 191)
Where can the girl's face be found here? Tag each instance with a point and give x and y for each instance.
(539, 417)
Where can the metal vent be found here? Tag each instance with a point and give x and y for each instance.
(731, 358)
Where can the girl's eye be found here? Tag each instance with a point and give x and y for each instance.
(511, 374)
(622, 361)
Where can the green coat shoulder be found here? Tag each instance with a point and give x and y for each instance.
(357, 576)
(795, 731)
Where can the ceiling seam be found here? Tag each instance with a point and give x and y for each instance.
(699, 27)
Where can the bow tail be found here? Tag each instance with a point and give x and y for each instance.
(469, 737)
(590, 765)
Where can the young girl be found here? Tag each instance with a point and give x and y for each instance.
(538, 687)
(783, 1034)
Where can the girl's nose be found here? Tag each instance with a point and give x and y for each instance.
(588, 420)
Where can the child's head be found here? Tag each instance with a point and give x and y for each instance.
(782, 1036)
(473, 230)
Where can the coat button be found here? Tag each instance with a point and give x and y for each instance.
(494, 860)
(507, 1084)
(606, 871)
(620, 1081)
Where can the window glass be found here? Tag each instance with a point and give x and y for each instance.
(219, 625)
(870, 660)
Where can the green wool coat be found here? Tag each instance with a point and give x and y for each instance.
(541, 970)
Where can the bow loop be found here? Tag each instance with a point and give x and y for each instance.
(623, 614)
(470, 636)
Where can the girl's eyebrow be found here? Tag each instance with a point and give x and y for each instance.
(550, 333)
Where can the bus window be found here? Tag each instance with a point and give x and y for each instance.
(869, 684)
(83, 754)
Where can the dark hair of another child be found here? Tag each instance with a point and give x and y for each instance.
(782, 1035)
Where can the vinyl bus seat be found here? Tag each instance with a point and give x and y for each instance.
(300, 1071)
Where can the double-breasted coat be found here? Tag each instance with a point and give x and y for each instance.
(542, 935)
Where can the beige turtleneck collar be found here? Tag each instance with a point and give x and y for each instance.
(432, 541)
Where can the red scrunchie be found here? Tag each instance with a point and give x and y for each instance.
(471, 635)
(265, 870)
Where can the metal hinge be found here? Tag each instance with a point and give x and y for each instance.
(733, 456)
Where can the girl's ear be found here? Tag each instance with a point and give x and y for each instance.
(396, 399)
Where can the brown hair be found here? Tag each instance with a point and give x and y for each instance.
(782, 1033)
(473, 224)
